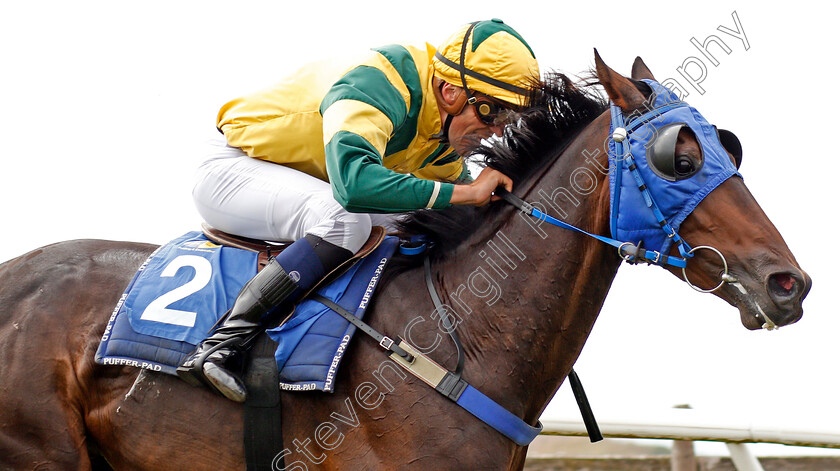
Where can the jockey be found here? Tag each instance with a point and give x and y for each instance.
(321, 156)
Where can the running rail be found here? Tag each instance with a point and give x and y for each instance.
(694, 425)
(697, 427)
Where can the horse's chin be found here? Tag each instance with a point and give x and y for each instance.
(753, 311)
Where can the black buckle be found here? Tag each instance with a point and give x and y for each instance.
(392, 346)
(452, 386)
(633, 254)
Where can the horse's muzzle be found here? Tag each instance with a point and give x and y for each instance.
(787, 290)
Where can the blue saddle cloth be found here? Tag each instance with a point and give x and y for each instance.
(311, 344)
(184, 287)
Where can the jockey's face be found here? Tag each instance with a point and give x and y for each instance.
(467, 128)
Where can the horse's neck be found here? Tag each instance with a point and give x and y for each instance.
(529, 293)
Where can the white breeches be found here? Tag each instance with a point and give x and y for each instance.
(263, 200)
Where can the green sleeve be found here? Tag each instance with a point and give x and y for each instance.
(361, 183)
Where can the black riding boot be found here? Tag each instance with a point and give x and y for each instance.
(305, 262)
(266, 290)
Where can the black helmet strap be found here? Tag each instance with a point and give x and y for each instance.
(464, 71)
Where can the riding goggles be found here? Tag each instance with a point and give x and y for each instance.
(487, 109)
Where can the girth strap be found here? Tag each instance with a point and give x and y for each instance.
(263, 430)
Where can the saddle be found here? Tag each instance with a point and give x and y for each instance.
(267, 249)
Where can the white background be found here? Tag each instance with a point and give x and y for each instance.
(105, 107)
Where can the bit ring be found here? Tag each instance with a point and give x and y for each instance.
(723, 276)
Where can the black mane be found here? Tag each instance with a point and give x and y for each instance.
(558, 110)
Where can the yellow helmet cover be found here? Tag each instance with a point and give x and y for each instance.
(489, 57)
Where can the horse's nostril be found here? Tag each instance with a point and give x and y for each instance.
(782, 285)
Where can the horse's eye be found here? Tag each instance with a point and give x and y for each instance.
(668, 161)
(683, 166)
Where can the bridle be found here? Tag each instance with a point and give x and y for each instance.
(624, 162)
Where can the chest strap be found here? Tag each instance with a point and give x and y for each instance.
(589, 421)
(444, 381)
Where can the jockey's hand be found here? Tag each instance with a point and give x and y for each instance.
(480, 191)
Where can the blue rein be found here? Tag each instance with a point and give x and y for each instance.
(627, 250)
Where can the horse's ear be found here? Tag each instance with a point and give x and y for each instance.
(621, 91)
(640, 70)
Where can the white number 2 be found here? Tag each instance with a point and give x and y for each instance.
(158, 311)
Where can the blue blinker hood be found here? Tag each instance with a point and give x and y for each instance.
(644, 206)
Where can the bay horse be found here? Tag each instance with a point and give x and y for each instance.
(525, 298)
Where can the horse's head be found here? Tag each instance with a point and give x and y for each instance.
(736, 247)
